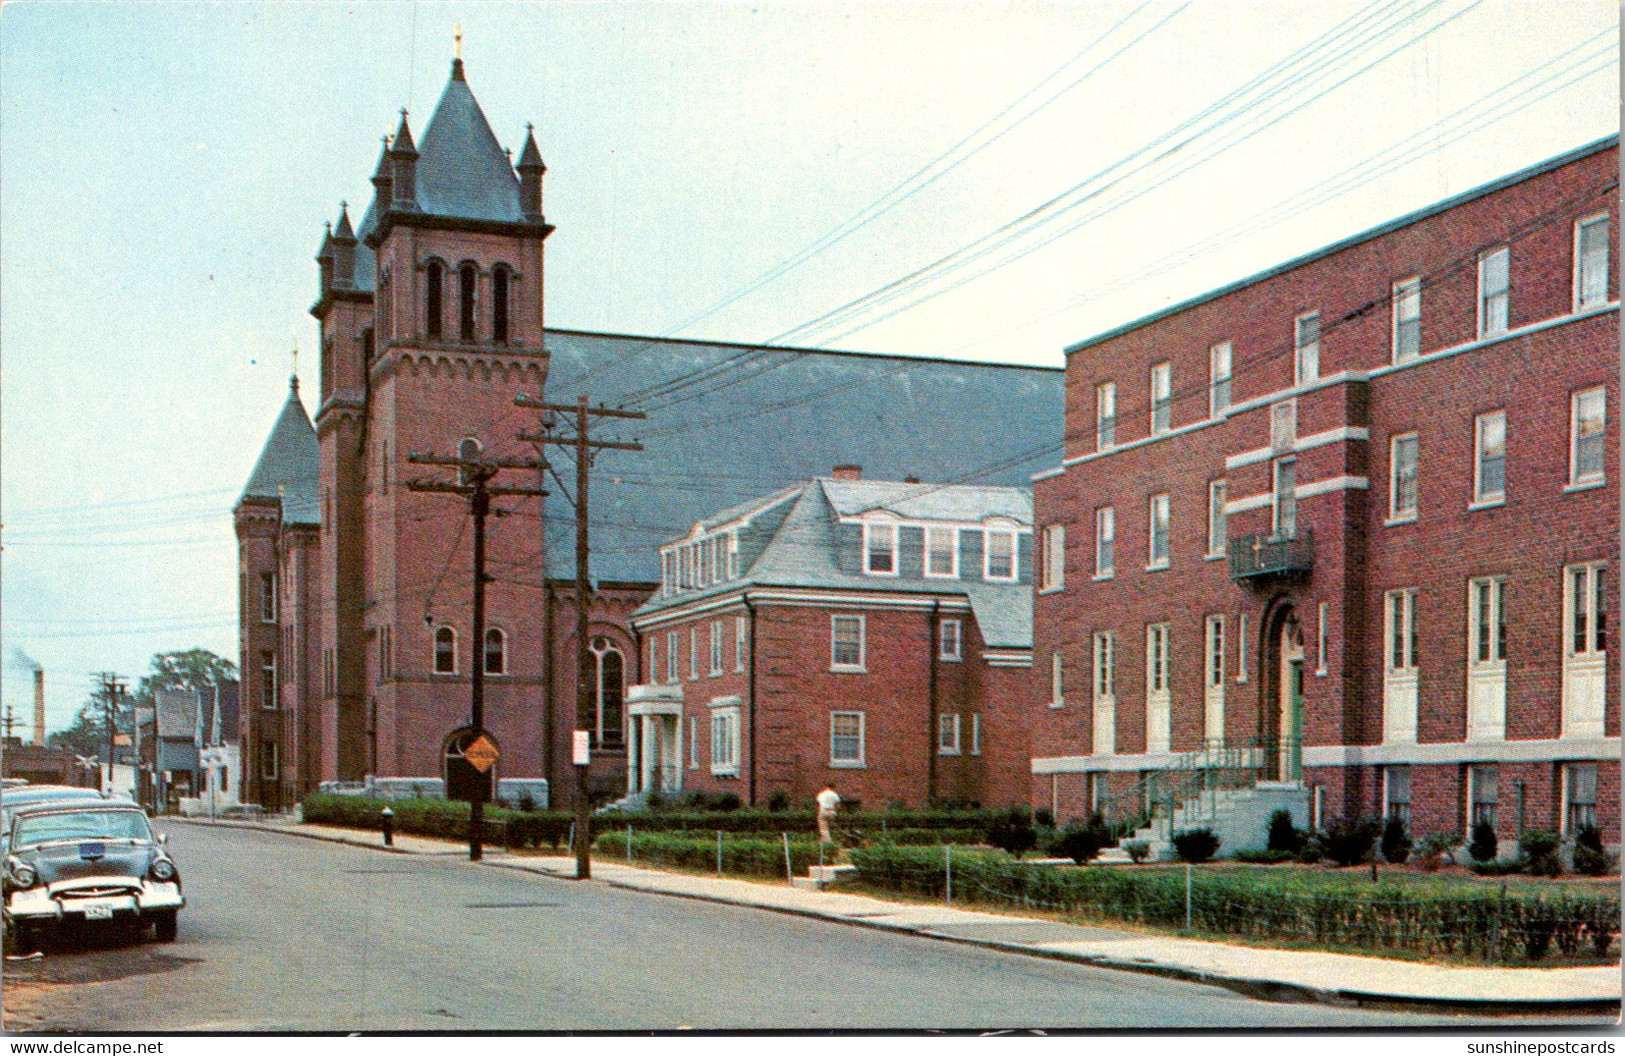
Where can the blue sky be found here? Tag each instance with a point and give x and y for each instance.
(165, 170)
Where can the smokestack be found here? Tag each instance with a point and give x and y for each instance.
(39, 706)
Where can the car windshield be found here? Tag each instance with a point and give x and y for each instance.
(80, 825)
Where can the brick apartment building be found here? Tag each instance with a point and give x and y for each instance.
(1359, 513)
(873, 636)
(354, 591)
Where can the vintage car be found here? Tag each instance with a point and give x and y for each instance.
(13, 800)
(88, 863)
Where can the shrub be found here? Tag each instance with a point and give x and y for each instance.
(1396, 842)
(740, 856)
(1482, 847)
(1137, 850)
(1590, 858)
(1081, 843)
(727, 802)
(1497, 867)
(1436, 848)
(1196, 845)
(1314, 849)
(1348, 841)
(778, 800)
(1043, 818)
(1265, 857)
(1538, 848)
(1285, 836)
(1012, 831)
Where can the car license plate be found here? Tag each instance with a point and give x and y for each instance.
(98, 912)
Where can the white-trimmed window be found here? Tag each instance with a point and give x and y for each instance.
(1490, 461)
(611, 695)
(693, 742)
(1241, 648)
(1396, 793)
(949, 646)
(1407, 319)
(1483, 792)
(1105, 415)
(270, 766)
(846, 738)
(1157, 550)
(1219, 368)
(725, 740)
(880, 548)
(741, 642)
(1162, 398)
(1320, 640)
(1283, 425)
(999, 555)
(1156, 658)
(1217, 526)
(694, 653)
(1400, 654)
(1214, 659)
(976, 734)
(948, 734)
(1284, 499)
(445, 651)
(270, 685)
(1105, 543)
(1494, 292)
(1579, 797)
(1054, 557)
(672, 657)
(268, 597)
(1591, 262)
(846, 643)
(1306, 343)
(716, 647)
(1402, 483)
(496, 651)
(653, 652)
(942, 552)
(1588, 421)
(1057, 680)
(1586, 603)
(1486, 622)
(1105, 664)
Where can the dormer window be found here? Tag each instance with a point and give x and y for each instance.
(942, 552)
(999, 557)
(880, 548)
(467, 283)
(434, 284)
(699, 563)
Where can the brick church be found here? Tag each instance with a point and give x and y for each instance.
(354, 590)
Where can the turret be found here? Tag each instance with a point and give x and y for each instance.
(342, 244)
(383, 180)
(404, 154)
(530, 169)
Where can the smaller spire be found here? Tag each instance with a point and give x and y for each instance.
(344, 230)
(457, 52)
(529, 156)
(403, 138)
(293, 377)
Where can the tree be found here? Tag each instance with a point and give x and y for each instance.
(185, 669)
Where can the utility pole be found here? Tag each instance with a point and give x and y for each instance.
(10, 721)
(474, 475)
(113, 688)
(585, 449)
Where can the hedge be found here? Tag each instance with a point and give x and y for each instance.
(740, 857)
(1478, 926)
(440, 817)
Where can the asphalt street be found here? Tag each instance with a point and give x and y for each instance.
(282, 933)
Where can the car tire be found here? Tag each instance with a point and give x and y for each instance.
(165, 927)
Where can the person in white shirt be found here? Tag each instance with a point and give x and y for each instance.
(828, 801)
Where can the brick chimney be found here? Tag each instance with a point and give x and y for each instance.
(847, 472)
(39, 706)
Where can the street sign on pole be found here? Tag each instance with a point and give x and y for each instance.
(582, 755)
(469, 764)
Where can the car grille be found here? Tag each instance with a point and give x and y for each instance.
(96, 892)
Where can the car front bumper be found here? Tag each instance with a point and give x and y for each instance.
(65, 904)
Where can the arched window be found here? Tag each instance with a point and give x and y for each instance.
(467, 278)
(434, 286)
(445, 651)
(496, 652)
(499, 305)
(611, 689)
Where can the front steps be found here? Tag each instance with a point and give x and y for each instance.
(1240, 817)
(823, 877)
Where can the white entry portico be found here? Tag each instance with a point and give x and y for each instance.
(654, 740)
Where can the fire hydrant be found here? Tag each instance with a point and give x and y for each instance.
(387, 821)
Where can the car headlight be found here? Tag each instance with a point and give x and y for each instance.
(163, 870)
(23, 874)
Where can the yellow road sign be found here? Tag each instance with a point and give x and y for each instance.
(481, 753)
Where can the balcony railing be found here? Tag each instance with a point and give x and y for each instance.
(1270, 554)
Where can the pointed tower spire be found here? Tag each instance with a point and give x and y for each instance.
(457, 52)
(324, 258)
(404, 153)
(342, 240)
(383, 178)
(530, 169)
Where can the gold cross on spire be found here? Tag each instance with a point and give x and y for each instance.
(296, 357)
(457, 40)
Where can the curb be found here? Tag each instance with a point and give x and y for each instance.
(1271, 990)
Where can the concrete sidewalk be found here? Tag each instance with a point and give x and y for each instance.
(1280, 975)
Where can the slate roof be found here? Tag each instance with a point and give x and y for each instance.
(291, 462)
(895, 416)
(462, 170)
(805, 549)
